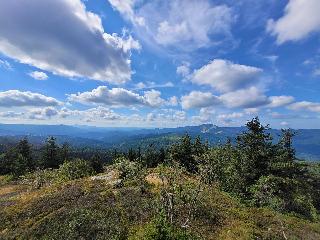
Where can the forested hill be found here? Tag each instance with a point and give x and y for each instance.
(306, 141)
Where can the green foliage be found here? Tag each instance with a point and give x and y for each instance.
(127, 169)
(97, 163)
(41, 178)
(75, 169)
(161, 229)
(50, 157)
(24, 149)
(284, 195)
(186, 153)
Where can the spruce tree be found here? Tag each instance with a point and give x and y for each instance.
(255, 147)
(50, 154)
(24, 149)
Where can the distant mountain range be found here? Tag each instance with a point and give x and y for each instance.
(306, 141)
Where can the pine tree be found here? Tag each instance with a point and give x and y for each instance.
(24, 149)
(131, 155)
(50, 155)
(286, 144)
(255, 147)
(96, 163)
(183, 153)
(65, 152)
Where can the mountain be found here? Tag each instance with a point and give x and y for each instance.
(306, 141)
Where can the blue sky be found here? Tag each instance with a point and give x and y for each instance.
(160, 63)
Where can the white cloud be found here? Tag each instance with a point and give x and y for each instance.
(279, 101)
(301, 18)
(197, 99)
(5, 64)
(115, 97)
(305, 106)
(164, 118)
(173, 101)
(64, 38)
(16, 98)
(229, 117)
(126, 8)
(11, 114)
(148, 84)
(38, 75)
(284, 124)
(316, 72)
(118, 97)
(192, 22)
(245, 98)
(184, 69)
(153, 98)
(42, 113)
(226, 76)
(185, 25)
(205, 115)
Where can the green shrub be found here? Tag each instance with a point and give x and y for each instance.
(40, 178)
(127, 169)
(161, 229)
(75, 169)
(284, 195)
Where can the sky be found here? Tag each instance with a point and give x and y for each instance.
(160, 63)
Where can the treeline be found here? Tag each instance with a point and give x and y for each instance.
(23, 158)
(254, 169)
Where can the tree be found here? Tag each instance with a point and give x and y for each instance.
(96, 163)
(256, 149)
(286, 144)
(182, 153)
(50, 156)
(198, 147)
(131, 155)
(24, 149)
(65, 152)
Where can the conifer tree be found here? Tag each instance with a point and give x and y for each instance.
(65, 152)
(50, 154)
(24, 149)
(255, 147)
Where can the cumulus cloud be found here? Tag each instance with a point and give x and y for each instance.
(169, 116)
(16, 98)
(226, 76)
(227, 118)
(11, 114)
(245, 98)
(197, 99)
(192, 22)
(184, 69)
(300, 19)
(118, 97)
(205, 115)
(177, 23)
(279, 101)
(64, 38)
(305, 106)
(42, 113)
(153, 98)
(38, 75)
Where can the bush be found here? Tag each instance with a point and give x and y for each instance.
(75, 169)
(40, 178)
(161, 229)
(284, 195)
(127, 169)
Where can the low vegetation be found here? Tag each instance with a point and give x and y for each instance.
(253, 189)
